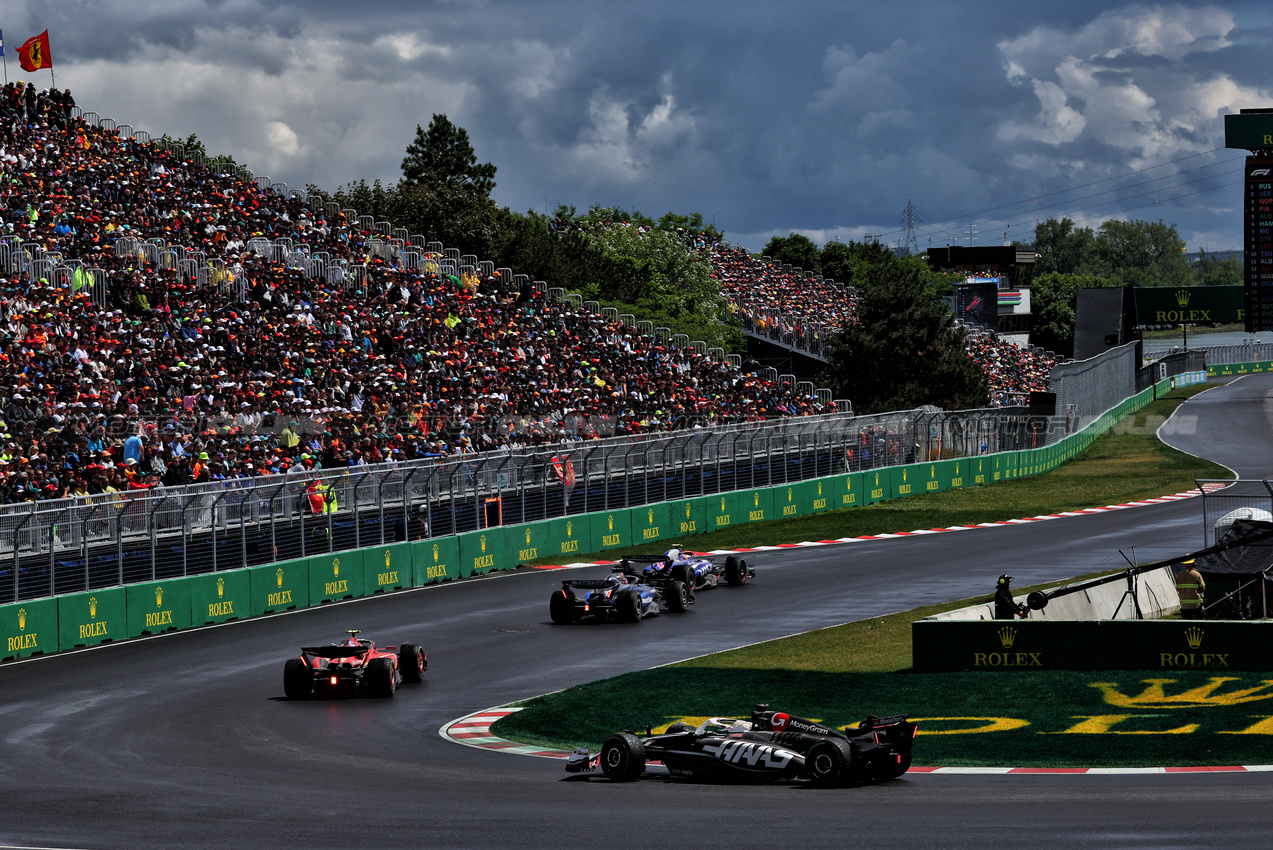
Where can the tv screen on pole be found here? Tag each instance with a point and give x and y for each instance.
(978, 304)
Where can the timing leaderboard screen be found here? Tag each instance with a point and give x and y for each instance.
(1258, 227)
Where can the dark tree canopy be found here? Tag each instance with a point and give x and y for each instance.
(796, 249)
(443, 155)
(905, 351)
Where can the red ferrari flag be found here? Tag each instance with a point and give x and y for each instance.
(34, 53)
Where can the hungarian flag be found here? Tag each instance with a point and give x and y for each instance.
(34, 53)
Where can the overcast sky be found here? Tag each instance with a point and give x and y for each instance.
(825, 118)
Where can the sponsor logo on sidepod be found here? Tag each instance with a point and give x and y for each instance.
(749, 754)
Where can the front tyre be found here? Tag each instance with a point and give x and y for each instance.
(623, 757)
(561, 608)
(828, 762)
(736, 571)
(298, 681)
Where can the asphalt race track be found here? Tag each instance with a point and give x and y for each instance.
(186, 740)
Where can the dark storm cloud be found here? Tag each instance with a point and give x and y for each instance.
(825, 117)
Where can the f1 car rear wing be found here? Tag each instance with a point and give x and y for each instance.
(333, 651)
(587, 583)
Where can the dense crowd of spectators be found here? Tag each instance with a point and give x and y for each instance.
(1013, 372)
(146, 377)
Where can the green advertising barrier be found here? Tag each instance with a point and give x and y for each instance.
(386, 568)
(939, 646)
(907, 481)
(28, 628)
(435, 560)
(529, 541)
(157, 606)
(723, 511)
(652, 527)
(280, 586)
(569, 535)
(1160, 645)
(484, 551)
(688, 516)
(819, 495)
(757, 505)
(790, 500)
(219, 597)
(86, 619)
(847, 490)
(334, 576)
(954, 473)
(981, 471)
(611, 530)
(878, 484)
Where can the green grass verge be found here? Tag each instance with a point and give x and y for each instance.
(1126, 464)
(840, 674)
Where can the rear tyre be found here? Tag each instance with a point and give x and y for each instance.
(677, 597)
(383, 680)
(623, 757)
(411, 662)
(561, 608)
(298, 681)
(628, 606)
(892, 768)
(735, 571)
(828, 762)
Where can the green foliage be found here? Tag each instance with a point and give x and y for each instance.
(905, 350)
(798, 250)
(663, 272)
(193, 144)
(1209, 271)
(1136, 253)
(1062, 247)
(846, 262)
(1052, 299)
(443, 155)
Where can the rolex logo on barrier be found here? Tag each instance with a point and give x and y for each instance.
(1007, 637)
(650, 516)
(435, 552)
(1155, 694)
(159, 597)
(92, 607)
(527, 536)
(278, 576)
(335, 567)
(482, 540)
(387, 555)
(1193, 635)
(1182, 297)
(22, 619)
(220, 588)
(687, 510)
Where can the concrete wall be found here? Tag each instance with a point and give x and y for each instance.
(1156, 591)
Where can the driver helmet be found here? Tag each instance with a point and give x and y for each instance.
(1005, 579)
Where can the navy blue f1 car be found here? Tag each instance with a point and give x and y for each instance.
(696, 572)
(617, 598)
(772, 745)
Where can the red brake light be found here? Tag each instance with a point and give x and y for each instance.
(333, 680)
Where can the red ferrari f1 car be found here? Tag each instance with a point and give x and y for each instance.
(352, 668)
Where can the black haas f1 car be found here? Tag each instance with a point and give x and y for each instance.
(696, 572)
(620, 598)
(773, 745)
(352, 668)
